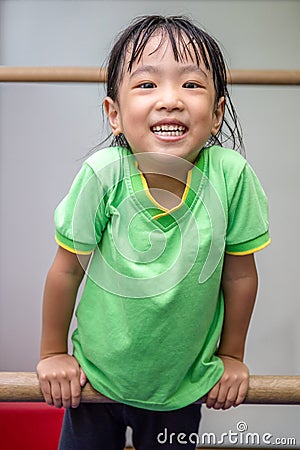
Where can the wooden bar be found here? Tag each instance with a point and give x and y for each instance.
(52, 74)
(263, 389)
(10, 74)
(265, 77)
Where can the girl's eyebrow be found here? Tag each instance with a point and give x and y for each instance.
(193, 68)
(155, 69)
(144, 69)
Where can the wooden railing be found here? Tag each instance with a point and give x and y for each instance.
(98, 75)
(263, 389)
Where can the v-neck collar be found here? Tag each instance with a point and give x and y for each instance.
(161, 216)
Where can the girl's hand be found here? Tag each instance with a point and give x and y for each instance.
(61, 380)
(232, 388)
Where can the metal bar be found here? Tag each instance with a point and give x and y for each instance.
(263, 389)
(98, 75)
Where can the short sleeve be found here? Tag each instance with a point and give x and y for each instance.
(80, 217)
(248, 224)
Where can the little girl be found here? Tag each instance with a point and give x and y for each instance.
(165, 222)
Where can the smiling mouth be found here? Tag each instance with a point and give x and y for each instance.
(169, 130)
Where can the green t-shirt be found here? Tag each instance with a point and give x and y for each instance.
(151, 312)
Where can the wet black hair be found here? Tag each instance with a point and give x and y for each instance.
(202, 48)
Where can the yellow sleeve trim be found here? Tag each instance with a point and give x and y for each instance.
(253, 250)
(72, 250)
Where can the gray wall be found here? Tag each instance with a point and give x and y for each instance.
(46, 128)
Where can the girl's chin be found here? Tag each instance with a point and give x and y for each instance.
(165, 161)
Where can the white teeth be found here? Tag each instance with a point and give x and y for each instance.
(169, 130)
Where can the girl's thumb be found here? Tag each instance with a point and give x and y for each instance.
(82, 378)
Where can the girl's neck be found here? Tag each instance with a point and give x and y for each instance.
(166, 178)
(166, 190)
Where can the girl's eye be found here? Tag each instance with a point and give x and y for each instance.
(147, 85)
(191, 85)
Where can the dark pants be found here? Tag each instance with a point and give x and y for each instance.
(102, 426)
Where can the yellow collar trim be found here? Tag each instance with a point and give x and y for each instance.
(156, 203)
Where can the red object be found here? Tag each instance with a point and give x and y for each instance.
(29, 426)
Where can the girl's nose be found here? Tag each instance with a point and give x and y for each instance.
(169, 99)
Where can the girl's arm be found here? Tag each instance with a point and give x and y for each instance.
(239, 284)
(59, 373)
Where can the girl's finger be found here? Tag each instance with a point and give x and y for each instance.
(231, 397)
(46, 390)
(56, 393)
(83, 378)
(222, 395)
(242, 392)
(66, 396)
(75, 388)
(212, 396)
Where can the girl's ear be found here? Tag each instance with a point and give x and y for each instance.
(218, 116)
(113, 115)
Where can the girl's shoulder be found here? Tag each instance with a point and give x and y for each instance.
(228, 161)
(105, 157)
(218, 154)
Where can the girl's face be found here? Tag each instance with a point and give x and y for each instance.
(164, 105)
